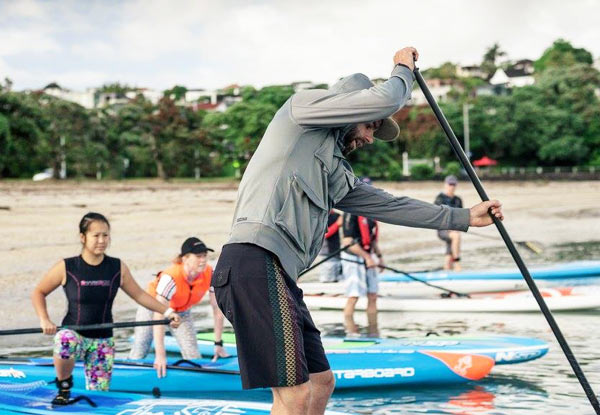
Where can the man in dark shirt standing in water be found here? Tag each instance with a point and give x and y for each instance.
(452, 238)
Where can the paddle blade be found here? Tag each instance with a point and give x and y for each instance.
(533, 247)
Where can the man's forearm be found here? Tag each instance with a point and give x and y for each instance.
(369, 201)
(326, 108)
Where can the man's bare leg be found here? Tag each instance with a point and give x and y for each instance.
(455, 247)
(349, 324)
(321, 388)
(291, 400)
(372, 314)
(448, 262)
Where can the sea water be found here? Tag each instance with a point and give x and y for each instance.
(545, 386)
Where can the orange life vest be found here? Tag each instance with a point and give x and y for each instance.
(186, 293)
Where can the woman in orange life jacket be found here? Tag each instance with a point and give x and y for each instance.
(180, 286)
(91, 281)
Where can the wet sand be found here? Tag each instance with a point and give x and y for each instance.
(150, 219)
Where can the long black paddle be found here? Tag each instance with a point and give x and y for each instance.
(448, 291)
(458, 150)
(88, 327)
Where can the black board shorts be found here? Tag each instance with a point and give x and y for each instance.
(278, 344)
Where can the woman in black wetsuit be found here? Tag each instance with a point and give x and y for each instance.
(91, 281)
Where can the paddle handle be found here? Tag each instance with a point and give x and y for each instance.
(459, 152)
(123, 324)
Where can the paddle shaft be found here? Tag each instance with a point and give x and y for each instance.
(458, 150)
(88, 327)
(328, 257)
(413, 278)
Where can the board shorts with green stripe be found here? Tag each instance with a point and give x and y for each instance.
(278, 344)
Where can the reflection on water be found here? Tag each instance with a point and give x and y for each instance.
(545, 386)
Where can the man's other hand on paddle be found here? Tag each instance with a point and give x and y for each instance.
(480, 213)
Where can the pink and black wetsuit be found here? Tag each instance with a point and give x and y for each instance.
(90, 291)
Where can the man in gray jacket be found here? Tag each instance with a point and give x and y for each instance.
(297, 174)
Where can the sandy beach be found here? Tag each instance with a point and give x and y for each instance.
(150, 219)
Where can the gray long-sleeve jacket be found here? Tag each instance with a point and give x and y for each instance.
(298, 173)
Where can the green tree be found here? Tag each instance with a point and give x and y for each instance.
(22, 126)
(562, 54)
(447, 70)
(490, 58)
(176, 93)
(118, 88)
(239, 129)
(378, 161)
(67, 122)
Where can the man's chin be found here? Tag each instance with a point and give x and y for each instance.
(349, 148)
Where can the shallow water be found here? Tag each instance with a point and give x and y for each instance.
(544, 386)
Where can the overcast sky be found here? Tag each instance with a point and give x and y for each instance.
(213, 43)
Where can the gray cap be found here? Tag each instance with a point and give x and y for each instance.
(451, 179)
(388, 130)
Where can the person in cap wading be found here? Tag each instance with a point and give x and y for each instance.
(297, 174)
(180, 287)
(452, 238)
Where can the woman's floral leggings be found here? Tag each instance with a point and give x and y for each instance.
(97, 354)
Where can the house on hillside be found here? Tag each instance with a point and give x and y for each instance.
(472, 71)
(213, 100)
(439, 88)
(86, 98)
(193, 96)
(151, 95)
(516, 75)
(112, 99)
(207, 106)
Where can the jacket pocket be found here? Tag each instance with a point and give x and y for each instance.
(302, 216)
(220, 277)
(341, 181)
(220, 281)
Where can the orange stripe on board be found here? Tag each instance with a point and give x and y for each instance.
(469, 366)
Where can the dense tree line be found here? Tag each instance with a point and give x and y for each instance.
(556, 121)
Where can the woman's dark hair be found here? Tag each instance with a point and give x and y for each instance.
(90, 217)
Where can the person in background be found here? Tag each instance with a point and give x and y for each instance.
(91, 281)
(331, 270)
(452, 238)
(359, 266)
(180, 286)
